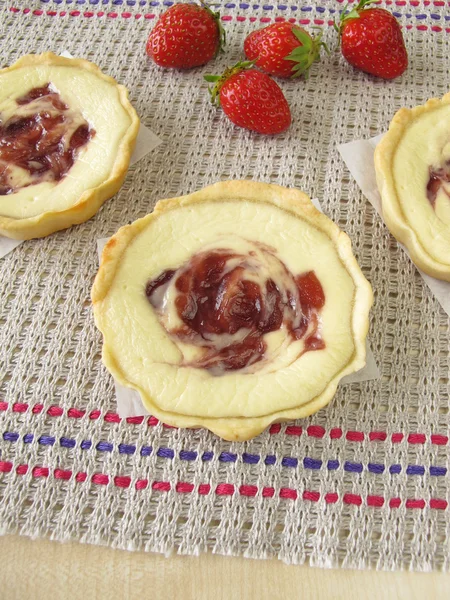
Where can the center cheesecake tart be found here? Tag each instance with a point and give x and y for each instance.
(232, 308)
(67, 132)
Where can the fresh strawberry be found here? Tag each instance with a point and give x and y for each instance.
(186, 36)
(371, 40)
(283, 49)
(251, 99)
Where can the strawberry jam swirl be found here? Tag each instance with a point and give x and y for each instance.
(437, 180)
(40, 138)
(237, 311)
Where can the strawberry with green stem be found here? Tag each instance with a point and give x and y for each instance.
(371, 40)
(284, 49)
(250, 99)
(186, 36)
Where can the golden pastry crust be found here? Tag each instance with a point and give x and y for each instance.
(92, 199)
(391, 207)
(290, 200)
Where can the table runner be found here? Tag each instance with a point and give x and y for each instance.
(364, 482)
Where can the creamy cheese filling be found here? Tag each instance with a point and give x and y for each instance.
(422, 179)
(94, 100)
(155, 362)
(229, 311)
(40, 139)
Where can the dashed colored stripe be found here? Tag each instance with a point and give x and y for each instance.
(231, 457)
(245, 5)
(224, 489)
(315, 431)
(225, 18)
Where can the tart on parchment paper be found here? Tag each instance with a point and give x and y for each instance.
(232, 308)
(67, 132)
(412, 164)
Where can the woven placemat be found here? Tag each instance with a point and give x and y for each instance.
(362, 483)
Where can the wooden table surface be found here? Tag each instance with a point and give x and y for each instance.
(35, 569)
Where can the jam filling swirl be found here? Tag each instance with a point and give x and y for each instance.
(227, 305)
(40, 140)
(437, 180)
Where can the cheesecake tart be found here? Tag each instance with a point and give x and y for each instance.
(67, 132)
(412, 164)
(232, 308)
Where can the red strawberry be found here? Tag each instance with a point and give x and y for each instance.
(371, 40)
(186, 36)
(251, 99)
(283, 49)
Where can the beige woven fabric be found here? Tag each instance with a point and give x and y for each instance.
(340, 491)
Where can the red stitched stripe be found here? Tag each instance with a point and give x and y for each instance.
(3, 405)
(225, 489)
(397, 438)
(335, 433)
(248, 490)
(55, 411)
(40, 472)
(184, 488)
(112, 418)
(60, 474)
(377, 436)
(288, 493)
(37, 409)
(162, 486)
(413, 503)
(275, 428)
(313, 496)
(20, 407)
(354, 436)
(438, 504)
(439, 440)
(135, 420)
(122, 482)
(416, 438)
(375, 501)
(100, 478)
(316, 431)
(352, 499)
(152, 421)
(75, 413)
(331, 498)
(293, 430)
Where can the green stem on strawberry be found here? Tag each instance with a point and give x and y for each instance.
(216, 17)
(351, 14)
(306, 54)
(219, 80)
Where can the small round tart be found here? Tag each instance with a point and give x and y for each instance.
(67, 132)
(232, 308)
(412, 164)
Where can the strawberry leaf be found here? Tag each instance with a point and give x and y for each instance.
(306, 54)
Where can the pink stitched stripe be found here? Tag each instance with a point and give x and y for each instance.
(226, 489)
(316, 431)
(225, 18)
